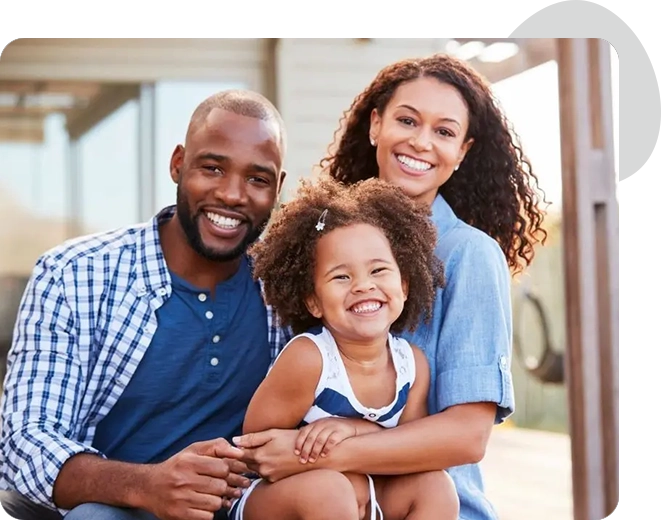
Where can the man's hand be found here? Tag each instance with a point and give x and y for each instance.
(317, 439)
(271, 453)
(196, 482)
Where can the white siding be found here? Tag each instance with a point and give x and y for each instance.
(317, 79)
(136, 60)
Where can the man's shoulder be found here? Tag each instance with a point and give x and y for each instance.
(94, 246)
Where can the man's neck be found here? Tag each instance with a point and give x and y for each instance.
(186, 263)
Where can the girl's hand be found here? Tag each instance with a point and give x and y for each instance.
(317, 439)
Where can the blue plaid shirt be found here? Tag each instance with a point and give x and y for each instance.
(85, 321)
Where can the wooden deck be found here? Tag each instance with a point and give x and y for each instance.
(527, 474)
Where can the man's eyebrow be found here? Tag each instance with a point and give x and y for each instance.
(222, 158)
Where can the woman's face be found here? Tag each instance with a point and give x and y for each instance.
(420, 136)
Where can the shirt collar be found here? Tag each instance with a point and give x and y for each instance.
(443, 216)
(151, 270)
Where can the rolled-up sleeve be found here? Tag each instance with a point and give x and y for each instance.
(473, 357)
(43, 386)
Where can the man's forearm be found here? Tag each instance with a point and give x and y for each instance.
(90, 478)
(436, 442)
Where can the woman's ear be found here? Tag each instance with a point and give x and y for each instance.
(375, 126)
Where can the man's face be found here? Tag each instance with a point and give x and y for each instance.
(228, 180)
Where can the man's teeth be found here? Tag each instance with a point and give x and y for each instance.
(366, 307)
(223, 222)
(414, 164)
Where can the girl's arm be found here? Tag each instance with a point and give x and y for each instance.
(472, 387)
(416, 404)
(287, 392)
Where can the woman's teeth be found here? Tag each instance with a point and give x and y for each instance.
(366, 307)
(415, 164)
(223, 222)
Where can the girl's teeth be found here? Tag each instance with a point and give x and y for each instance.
(414, 163)
(367, 307)
(224, 222)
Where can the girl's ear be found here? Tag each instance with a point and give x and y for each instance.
(313, 306)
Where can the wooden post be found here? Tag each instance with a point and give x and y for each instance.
(590, 216)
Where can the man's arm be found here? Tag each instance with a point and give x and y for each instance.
(196, 479)
(43, 388)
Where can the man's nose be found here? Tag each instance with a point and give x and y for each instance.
(231, 190)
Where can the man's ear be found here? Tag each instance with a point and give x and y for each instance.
(313, 306)
(281, 182)
(176, 162)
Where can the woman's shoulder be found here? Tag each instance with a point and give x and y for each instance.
(467, 247)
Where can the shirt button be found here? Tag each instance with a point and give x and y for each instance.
(209, 315)
(202, 297)
(162, 291)
(214, 361)
(216, 339)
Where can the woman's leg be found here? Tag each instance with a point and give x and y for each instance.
(314, 495)
(420, 496)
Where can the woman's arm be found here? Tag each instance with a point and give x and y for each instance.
(287, 392)
(472, 388)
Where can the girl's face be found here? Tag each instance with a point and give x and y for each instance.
(359, 292)
(420, 136)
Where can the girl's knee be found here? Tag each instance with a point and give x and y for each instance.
(439, 487)
(332, 493)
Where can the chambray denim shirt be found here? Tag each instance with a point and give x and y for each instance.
(468, 340)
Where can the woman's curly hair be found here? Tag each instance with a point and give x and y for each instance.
(492, 190)
(284, 259)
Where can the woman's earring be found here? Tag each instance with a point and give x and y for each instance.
(372, 141)
(457, 167)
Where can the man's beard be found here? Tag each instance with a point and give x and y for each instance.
(192, 232)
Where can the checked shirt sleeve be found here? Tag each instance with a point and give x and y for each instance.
(43, 389)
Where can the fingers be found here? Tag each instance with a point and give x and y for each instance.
(333, 439)
(204, 502)
(236, 480)
(237, 466)
(216, 448)
(313, 443)
(301, 437)
(253, 440)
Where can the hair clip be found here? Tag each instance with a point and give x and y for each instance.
(321, 223)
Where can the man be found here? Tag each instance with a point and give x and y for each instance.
(136, 351)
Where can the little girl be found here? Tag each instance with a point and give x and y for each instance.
(347, 268)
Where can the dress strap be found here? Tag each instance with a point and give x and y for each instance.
(374, 504)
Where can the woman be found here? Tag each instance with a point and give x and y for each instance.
(432, 127)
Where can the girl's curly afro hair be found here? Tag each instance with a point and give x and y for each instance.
(285, 258)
